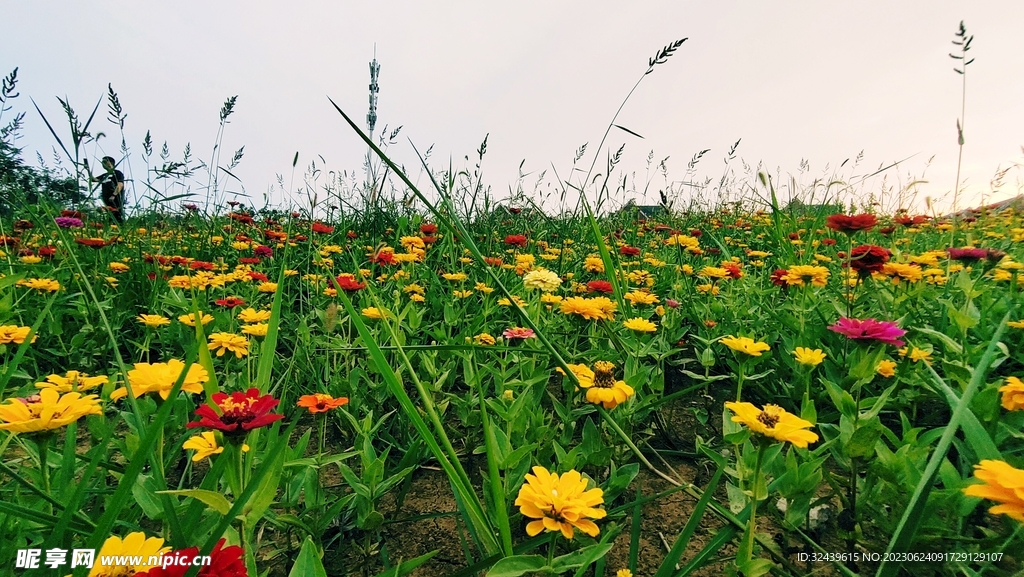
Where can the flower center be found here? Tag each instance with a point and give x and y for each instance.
(768, 420)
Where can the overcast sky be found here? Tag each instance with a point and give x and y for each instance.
(795, 80)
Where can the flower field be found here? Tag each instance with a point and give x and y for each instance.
(269, 386)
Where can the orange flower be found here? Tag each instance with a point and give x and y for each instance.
(321, 403)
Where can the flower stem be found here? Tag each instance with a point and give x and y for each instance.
(551, 547)
(748, 546)
(739, 383)
(43, 443)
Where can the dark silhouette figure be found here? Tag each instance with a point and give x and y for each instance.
(112, 188)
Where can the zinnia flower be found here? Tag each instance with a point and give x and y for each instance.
(46, 411)
(224, 562)
(229, 342)
(559, 503)
(809, 357)
(800, 275)
(153, 321)
(1013, 394)
(1001, 483)
(136, 549)
(516, 240)
(160, 378)
(240, 412)
(886, 368)
(967, 254)
(15, 334)
(868, 258)
(773, 421)
(321, 402)
(72, 382)
(602, 388)
(231, 302)
(599, 286)
(542, 279)
(256, 330)
(484, 339)
(851, 224)
(869, 330)
(640, 325)
(745, 345)
(204, 444)
(373, 313)
(190, 320)
(518, 333)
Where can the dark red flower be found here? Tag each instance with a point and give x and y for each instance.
(828, 241)
(383, 257)
(515, 210)
(249, 260)
(263, 251)
(240, 412)
(321, 228)
(429, 239)
(72, 214)
(349, 283)
(493, 260)
(151, 275)
(428, 228)
(794, 236)
(599, 286)
(275, 235)
(629, 250)
(23, 224)
(257, 276)
(661, 227)
(695, 232)
(178, 259)
(300, 238)
(190, 207)
(735, 270)
(224, 562)
(201, 265)
(231, 302)
(779, 278)
(47, 251)
(242, 238)
(516, 240)
(887, 230)
(868, 258)
(351, 234)
(851, 224)
(714, 251)
(967, 254)
(295, 215)
(9, 241)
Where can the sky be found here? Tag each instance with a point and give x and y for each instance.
(803, 85)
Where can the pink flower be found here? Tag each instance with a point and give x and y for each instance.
(671, 303)
(518, 333)
(869, 329)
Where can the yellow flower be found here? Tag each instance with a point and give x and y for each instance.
(46, 411)
(589, 309)
(917, 355)
(1003, 484)
(1015, 324)
(267, 287)
(542, 279)
(229, 342)
(160, 378)
(708, 288)
(455, 276)
(583, 374)
(153, 321)
(773, 421)
(593, 264)
(745, 345)
(886, 368)
(1013, 394)
(72, 381)
(484, 339)
(31, 259)
(640, 298)
(602, 388)
(40, 284)
(256, 330)
(417, 298)
(15, 334)
(252, 315)
(559, 503)
(118, 267)
(800, 275)
(550, 299)
(413, 288)
(190, 320)
(640, 325)
(373, 313)
(623, 573)
(204, 444)
(462, 294)
(713, 272)
(809, 357)
(134, 547)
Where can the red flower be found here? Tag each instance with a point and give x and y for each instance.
(779, 278)
(429, 239)
(735, 271)
(516, 240)
(967, 254)
(428, 228)
(794, 236)
(493, 260)
(322, 228)
(349, 283)
(275, 235)
(72, 214)
(240, 412)
(23, 224)
(828, 241)
(9, 241)
(868, 258)
(383, 257)
(300, 238)
(295, 215)
(257, 276)
(851, 224)
(599, 286)
(231, 302)
(629, 251)
(201, 265)
(515, 210)
(177, 259)
(47, 251)
(248, 260)
(224, 562)
(240, 217)
(351, 234)
(91, 242)
(887, 230)
(242, 238)
(696, 232)
(263, 251)
(320, 402)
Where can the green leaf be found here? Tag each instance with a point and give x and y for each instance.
(308, 563)
(408, 566)
(214, 500)
(580, 558)
(517, 565)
